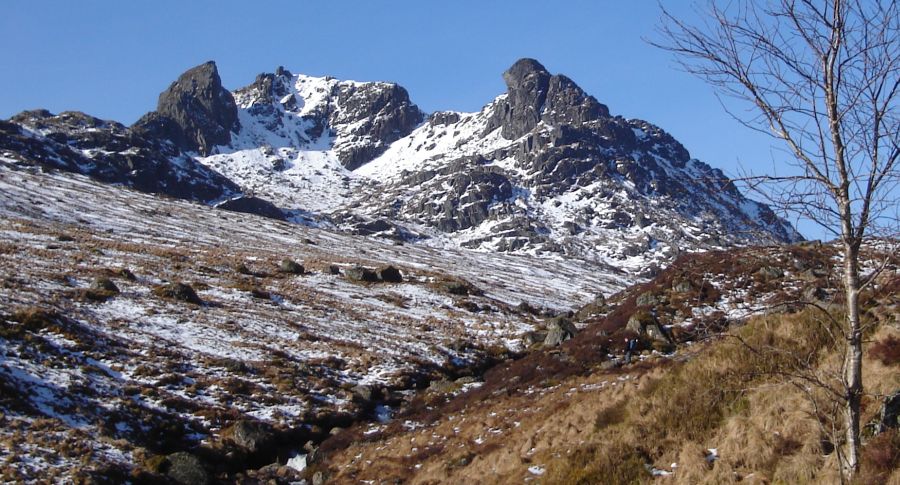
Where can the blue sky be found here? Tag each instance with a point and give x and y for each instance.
(111, 59)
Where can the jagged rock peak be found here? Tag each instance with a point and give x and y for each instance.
(196, 113)
(534, 95)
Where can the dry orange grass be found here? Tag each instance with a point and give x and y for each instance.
(735, 398)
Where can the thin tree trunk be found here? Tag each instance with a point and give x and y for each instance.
(853, 365)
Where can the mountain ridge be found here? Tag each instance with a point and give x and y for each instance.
(542, 169)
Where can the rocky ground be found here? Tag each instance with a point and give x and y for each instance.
(136, 327)
(691, 393)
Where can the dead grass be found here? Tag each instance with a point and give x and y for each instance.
(886, 350)
(726, 398)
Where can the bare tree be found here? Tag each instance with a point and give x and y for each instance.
(823, 77)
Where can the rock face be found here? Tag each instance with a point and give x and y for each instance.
(196, 113)
(358, 120)
(110, 152)
(534, 95)
(545, 167)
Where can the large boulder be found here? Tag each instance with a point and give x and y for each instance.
(186, 469)
(252, 436)
(644, 323)
(389, 274)
(559, 330)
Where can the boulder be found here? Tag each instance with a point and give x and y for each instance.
(595, 307)
(291, 267)
(363, 393)
(253, 436)
(559, 330)
(186, 469)
(639, 320)
(648, 299)
(358, 273)
(177, 291)
(104, 284)
(682, 286)
(389, 274)
(814, 293)
(768, 273)
(642, 322)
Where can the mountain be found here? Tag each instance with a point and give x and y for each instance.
(542, 169)
(148, 338)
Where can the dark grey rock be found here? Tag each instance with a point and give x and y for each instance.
(186, 469)
(196, 113)
(559, 330)
(253, 436)
(358, 273)
(104, 284)
(389, 274)
(890, 413)
(177, 291)
(253, 205)
(291, 267)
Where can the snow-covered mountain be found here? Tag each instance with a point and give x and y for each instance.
(542, 169)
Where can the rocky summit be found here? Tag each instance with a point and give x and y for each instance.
(543, 169)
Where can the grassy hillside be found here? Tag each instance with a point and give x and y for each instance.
(736, 401)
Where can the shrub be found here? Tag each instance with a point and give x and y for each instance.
(610, 416)
(880, 457)
(619, 463)
(887, 350)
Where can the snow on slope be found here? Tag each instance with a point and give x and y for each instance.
(277, 347)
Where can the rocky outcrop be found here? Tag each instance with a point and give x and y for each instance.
(547, 168)
(559, 330)
(196, 113)
(369, 118)
(533, 95)
(358, 119)
(253, 205)
(110, 152)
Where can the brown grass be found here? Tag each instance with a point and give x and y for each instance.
(886, 350)
(725, 398)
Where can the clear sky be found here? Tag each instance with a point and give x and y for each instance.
(111, 58)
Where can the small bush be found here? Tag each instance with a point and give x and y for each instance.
(886, 350)
(880, 457)
(619, 463)
(610, 416)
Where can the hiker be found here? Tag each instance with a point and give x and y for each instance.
(630, 345)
